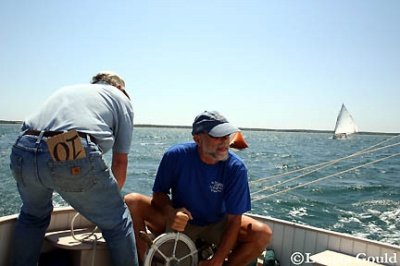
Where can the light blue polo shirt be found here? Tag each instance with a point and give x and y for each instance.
(103, 111)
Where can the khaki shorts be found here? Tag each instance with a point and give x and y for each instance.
(210, 233)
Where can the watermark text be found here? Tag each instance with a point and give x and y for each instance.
(385, 258)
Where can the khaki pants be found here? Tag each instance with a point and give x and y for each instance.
(210, 233)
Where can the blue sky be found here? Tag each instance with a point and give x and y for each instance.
(265, 64)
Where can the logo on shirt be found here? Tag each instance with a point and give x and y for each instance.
(216, 187)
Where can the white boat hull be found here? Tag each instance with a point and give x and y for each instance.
(291, 242)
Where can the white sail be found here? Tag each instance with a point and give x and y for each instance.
(345, 124)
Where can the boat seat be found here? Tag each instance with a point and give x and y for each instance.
(82, 252)
(333, 258)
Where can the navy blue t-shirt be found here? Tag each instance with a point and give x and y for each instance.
(207, 191)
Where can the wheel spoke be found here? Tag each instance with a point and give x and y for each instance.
(161, 253)
(175, 243)
(188, 255)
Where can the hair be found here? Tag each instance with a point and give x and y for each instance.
(109, 78)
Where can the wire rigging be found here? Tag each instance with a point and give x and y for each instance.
(321, 166)
(325, 163)
(322, 178)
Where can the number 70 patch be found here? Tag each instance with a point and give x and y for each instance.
(66, 146)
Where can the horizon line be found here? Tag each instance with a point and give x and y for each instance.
(241, 128)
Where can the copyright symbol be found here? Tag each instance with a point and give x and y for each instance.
(297, 258)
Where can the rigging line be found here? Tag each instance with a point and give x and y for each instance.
(319, 164)
(291, 179)
(324, 166)
(323, 163)
(322, 178)
(288, 173)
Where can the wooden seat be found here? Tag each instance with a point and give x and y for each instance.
(92, 251)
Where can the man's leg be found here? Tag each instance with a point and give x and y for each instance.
(32, 222)
(254, 237)
(94, 193)
(34, 217)
(106, 209)
(144, 215)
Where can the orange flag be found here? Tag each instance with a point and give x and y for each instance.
(238, 142)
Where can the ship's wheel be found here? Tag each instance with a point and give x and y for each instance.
(171, 249)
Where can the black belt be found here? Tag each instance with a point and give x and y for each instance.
(48, 134)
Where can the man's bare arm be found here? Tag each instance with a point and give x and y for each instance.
(119, 167)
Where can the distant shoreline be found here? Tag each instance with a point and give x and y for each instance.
(273, 130)
(242, 128)
(9, 122)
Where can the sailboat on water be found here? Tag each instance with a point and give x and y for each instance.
(345, 124)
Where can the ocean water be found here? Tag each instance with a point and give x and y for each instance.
(364, 201)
